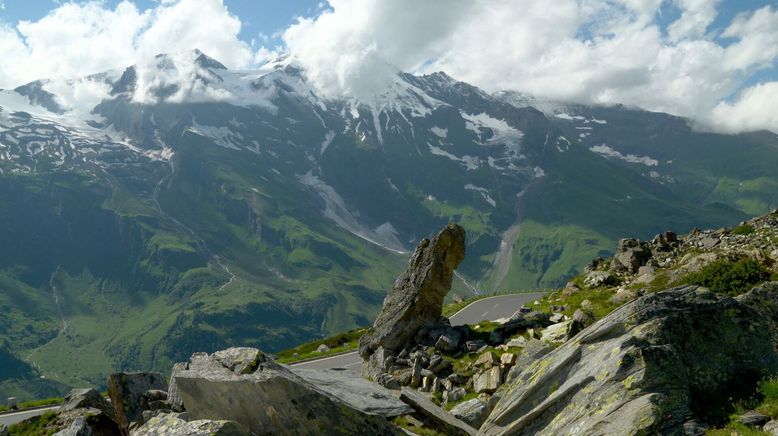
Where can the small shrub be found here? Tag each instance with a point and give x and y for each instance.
(745, 229)
(730, 277)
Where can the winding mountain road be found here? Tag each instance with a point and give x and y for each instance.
(489, 308)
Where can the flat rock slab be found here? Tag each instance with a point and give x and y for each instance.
(269, 400)
(443, 420)
(361, 394)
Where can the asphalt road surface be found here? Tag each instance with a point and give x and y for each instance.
(491, 308)
(14, 417)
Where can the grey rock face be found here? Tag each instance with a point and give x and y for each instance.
(172, 424)
(648, 367)
(472, 411)
(448, 341)
(355, 391)
(754, 419)
(127, 392)
(269, 400)
(416, 299)
(86, 398)
(455, 394)
(173, 395)
(632, 254)
(580, 321)
(769, 428)
(240, 360)
(599, 278)
(85, 422)
(3, 430)
(77, 428)
(488, 381)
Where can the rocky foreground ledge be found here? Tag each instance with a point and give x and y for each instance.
(667, 362)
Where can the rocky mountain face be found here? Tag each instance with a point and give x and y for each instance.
(184, 200)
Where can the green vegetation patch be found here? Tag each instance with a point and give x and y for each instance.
(37, 403)
(744, 229)
(765, 401)
(38, 426)
(731, 277)
(338, 344)
(403, 422)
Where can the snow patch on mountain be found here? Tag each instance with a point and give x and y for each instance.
(470, 162)
(606, 151)
(502, 132)
(568, 117)
(519, 100)
(484, 193)
(221, 136)
(439, 132)
(327, 141)
(335, 209)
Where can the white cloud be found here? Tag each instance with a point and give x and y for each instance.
(76, 39)
(696, 16)
(353, 46)
(754, 109)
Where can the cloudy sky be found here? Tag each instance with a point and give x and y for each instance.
(715, 61)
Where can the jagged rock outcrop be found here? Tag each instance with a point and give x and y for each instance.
(415, 301)
(128, 395)
(657, 365)
(84, 422)
(87, 398)
(631, 254)
(245, 386)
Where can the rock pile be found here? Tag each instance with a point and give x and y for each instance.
(411, 344)
(640, 262)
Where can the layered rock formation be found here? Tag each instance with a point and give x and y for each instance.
(663, 364)
(416, 299)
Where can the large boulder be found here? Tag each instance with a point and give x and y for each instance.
(355, 391)
(654, 366)
(266, 397)
(128, 395)
(416, 299)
